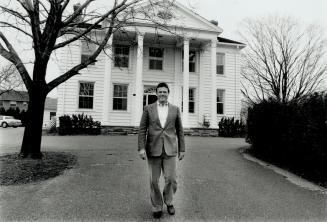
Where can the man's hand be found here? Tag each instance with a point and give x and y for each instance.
(142, 154)
(181, 155)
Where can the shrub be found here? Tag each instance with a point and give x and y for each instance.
(293, 135)
(229, 127)
(78, 124)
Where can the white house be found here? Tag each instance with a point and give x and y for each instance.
(115, 88)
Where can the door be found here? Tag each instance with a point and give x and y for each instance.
(149, 95)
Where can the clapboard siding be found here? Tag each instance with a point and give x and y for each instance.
(172, 73)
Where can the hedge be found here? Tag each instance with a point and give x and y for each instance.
(293, 135)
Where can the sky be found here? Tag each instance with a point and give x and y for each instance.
(230, 13)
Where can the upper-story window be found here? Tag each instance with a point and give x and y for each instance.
(121, 56)
(220, 64)
(88, 49)
(156, 56)
(86, 93)
(192, 59)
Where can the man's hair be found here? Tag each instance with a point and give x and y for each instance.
(162, 84)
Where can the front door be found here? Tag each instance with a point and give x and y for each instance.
(149, 95)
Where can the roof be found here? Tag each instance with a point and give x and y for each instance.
(224, 40)
(19, 96)
(50, 104)
(22, 96)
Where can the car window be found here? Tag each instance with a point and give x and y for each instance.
(9, 117)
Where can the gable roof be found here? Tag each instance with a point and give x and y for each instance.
(181, 17)
(199, 17)
(19, 96)
(224, 40)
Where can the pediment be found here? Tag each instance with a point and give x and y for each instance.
(177, 15)
(184, 17)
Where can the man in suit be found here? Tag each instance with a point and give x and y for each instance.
(161, 140)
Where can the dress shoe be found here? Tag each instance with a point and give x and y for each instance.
(171, 209)
(157, 214)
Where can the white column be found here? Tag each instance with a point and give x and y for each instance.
(107, 82)
(138, 81)
(213, 120)
(186, 78)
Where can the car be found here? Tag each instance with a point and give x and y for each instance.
(6, 121)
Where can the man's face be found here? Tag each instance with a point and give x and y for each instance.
(162, 94)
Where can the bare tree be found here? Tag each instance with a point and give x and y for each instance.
(49, 25)
(10, 79)
(283, 60)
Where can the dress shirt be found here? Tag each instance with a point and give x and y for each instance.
(162, 113)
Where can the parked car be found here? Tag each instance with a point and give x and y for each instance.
(6, 121)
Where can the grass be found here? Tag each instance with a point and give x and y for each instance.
(16, 171)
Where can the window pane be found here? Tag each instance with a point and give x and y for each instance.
(120, 91)
(155, 64)
(220, 95)
(220, 63)
(191, 94)
(191, 107)
(220, 58)
(192, 56)
(121, 61)
(120, 104)
(121, 56)
(220, 69)
(192, 67)
(220, 108)
(86, 89)
(156, 52)
(85, 102)
(220, 101)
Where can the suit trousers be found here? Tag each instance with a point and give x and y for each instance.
(166, 164)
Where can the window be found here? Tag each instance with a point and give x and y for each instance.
(87, 50)
(120, 97)
(191, 65)
(86, 93)
(220, 101)
(121, 56)
(52, 114)
(13, 104)
(220, 63)
(1, 103)
(156, 58)
(191, 100)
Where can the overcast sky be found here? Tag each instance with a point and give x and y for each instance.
(229, 13)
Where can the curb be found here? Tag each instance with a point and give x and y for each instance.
(291, 177)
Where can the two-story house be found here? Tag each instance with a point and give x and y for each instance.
(115, 89)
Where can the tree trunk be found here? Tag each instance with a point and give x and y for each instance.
(31, 146)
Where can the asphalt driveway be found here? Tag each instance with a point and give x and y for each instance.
(110, 183)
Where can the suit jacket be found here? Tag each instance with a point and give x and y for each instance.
(153, 137)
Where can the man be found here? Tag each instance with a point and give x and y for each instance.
(160, 140)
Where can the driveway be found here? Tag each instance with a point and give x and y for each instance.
(110, 183)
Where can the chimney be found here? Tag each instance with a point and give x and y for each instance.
(215, 22)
